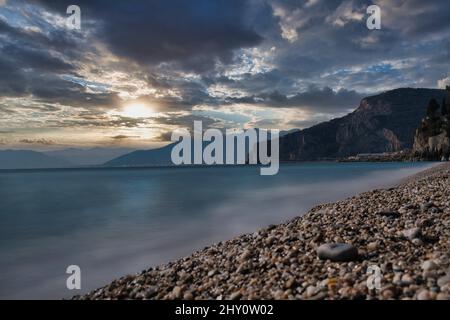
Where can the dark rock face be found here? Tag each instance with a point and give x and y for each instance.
(382, 123)
(432, 138)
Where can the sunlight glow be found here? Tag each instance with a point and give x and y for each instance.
(137, 110)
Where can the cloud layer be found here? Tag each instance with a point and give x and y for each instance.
(231, 63)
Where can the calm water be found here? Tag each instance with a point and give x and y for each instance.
(112, 222)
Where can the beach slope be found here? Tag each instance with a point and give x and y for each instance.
(398, 241)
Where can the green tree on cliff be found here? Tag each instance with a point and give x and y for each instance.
(433, 106)
(444, 109)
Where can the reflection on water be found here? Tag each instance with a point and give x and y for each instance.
(116, 221)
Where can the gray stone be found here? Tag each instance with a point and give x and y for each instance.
(423, 295)
(389, 213)
(443, 296)
(442, 281)
(177, 292)
(311, 291)
(337, 252)
(426, 206)
(429, 265)
(235, 296)
(412, 233)
(407, 280)
(188, 296)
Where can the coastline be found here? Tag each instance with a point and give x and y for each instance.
(403, 231)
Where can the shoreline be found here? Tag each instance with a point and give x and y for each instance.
(403, 231)
(101, 167)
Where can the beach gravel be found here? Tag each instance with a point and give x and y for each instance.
(403, 232)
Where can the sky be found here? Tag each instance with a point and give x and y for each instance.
(137, 70)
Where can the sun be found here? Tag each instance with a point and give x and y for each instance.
(137, 110)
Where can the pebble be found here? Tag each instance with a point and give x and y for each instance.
(429, 265)
(443, 296)
(289, 283)
(372, 246)
(412, 233)
(150, 291)
(426, 206)
(407, 279)
(337, 252)
(235, 296)
(423, 295)
(311, 291)
(389, 213)
(387, 294)
(177, 292)
(245, 255)
(443, 281)
(212, 272)
(188, 295)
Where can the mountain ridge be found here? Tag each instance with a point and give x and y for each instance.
(432, 137)
(385, 122)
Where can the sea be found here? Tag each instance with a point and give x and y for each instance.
(116, 221)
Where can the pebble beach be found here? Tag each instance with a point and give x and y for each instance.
(331, 252)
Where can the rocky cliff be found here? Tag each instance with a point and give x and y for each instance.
(432, 138)
(382, 123)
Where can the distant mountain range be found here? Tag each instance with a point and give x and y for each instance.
(161, 156)
(26, 159)
(65, 158)
(88, 157)
(382, 123)
(139, 158)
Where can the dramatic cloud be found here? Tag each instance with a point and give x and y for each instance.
(123, 137)
(443, 83)
(139, 69)
(41, 141)
(320, 100)
(192, 33)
